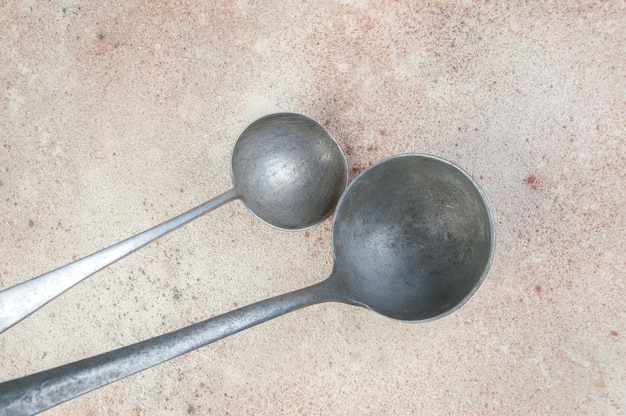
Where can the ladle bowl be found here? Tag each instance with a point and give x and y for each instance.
(413, 239)
(287, 169)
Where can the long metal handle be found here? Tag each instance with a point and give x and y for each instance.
(19, 301)
(40, 391)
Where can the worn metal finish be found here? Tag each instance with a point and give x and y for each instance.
(413, 238)
(295, 178)
(287, 169)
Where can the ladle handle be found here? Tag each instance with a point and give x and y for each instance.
(19, 301)
(40, 391)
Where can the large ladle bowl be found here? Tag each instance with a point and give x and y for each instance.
(413, 239)
(287, 169)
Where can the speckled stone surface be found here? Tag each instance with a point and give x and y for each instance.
(115, 116)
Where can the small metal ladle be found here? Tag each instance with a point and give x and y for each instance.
(287, 169)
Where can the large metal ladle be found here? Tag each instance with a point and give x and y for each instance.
(287, 169)
(413, 238)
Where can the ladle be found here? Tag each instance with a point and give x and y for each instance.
(287, 169)
(413, 238)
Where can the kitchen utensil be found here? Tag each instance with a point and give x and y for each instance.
(413, 239)
(285, 167)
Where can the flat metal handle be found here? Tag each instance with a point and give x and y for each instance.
(19, 301)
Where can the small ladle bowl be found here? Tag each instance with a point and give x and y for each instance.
(289, 171)
(413, 239)
(286, 168)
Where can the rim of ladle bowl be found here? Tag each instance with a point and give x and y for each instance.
(492, 246)
(343, 156)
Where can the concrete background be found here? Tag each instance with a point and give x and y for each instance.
(115, 116)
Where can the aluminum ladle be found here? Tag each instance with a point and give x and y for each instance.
(286, 168)
(413, 238)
